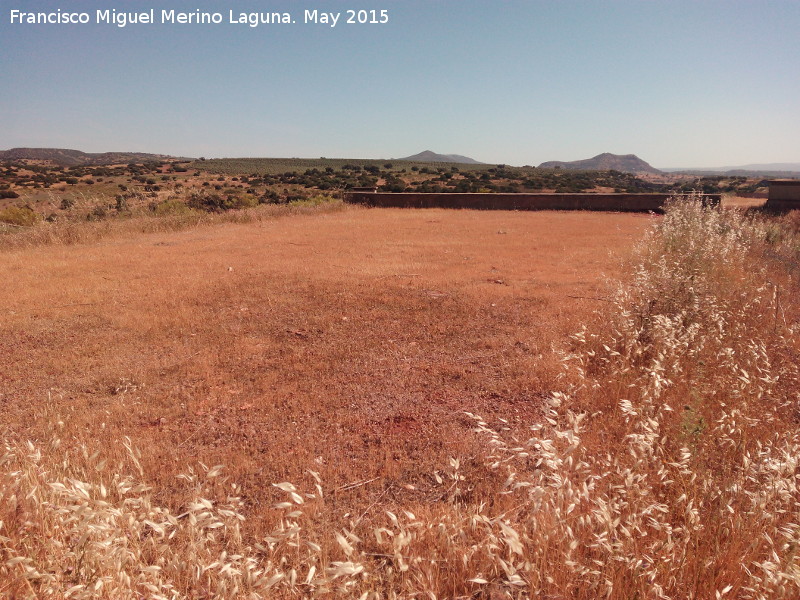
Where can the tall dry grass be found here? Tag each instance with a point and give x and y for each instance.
(666, 466)
(81, 231)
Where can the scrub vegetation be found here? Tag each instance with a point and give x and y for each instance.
(39, 192)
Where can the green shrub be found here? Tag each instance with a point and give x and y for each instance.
(23, 216)
(270, 197)
(171, 207)
(98, 213)
(220, 202)
(312, 201)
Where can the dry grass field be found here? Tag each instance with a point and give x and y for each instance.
(350, 343)
(407, 404)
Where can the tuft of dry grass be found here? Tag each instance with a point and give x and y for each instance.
(667, 466)
(664, 464)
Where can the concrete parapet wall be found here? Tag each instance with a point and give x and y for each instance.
(784, 195)
(601, 202)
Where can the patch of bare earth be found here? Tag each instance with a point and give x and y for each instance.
(350, 343)
(742, 202)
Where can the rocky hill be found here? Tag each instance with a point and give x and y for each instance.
(626, 163)
(430, 156)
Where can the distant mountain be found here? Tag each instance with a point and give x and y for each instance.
(767, 167)
(627, 163)
(430, 156)
(74, 158)
(742, 173)
(756, 170)
(794, 167)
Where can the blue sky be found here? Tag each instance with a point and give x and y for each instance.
(679, 83)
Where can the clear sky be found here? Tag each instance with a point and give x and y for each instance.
(679, 83)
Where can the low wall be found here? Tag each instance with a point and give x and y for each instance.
(784, 195)
(603, 202)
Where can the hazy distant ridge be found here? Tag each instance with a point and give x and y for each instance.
(774, 170)
(430, 156)
(626, 163)
(74, 158)
(757, 167)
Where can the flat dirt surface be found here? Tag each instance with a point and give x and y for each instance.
(349, 342)
(739, 202)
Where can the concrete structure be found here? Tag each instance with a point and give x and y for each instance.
(602, 202)
(784, 194)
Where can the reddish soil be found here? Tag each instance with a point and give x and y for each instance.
(349, 343)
